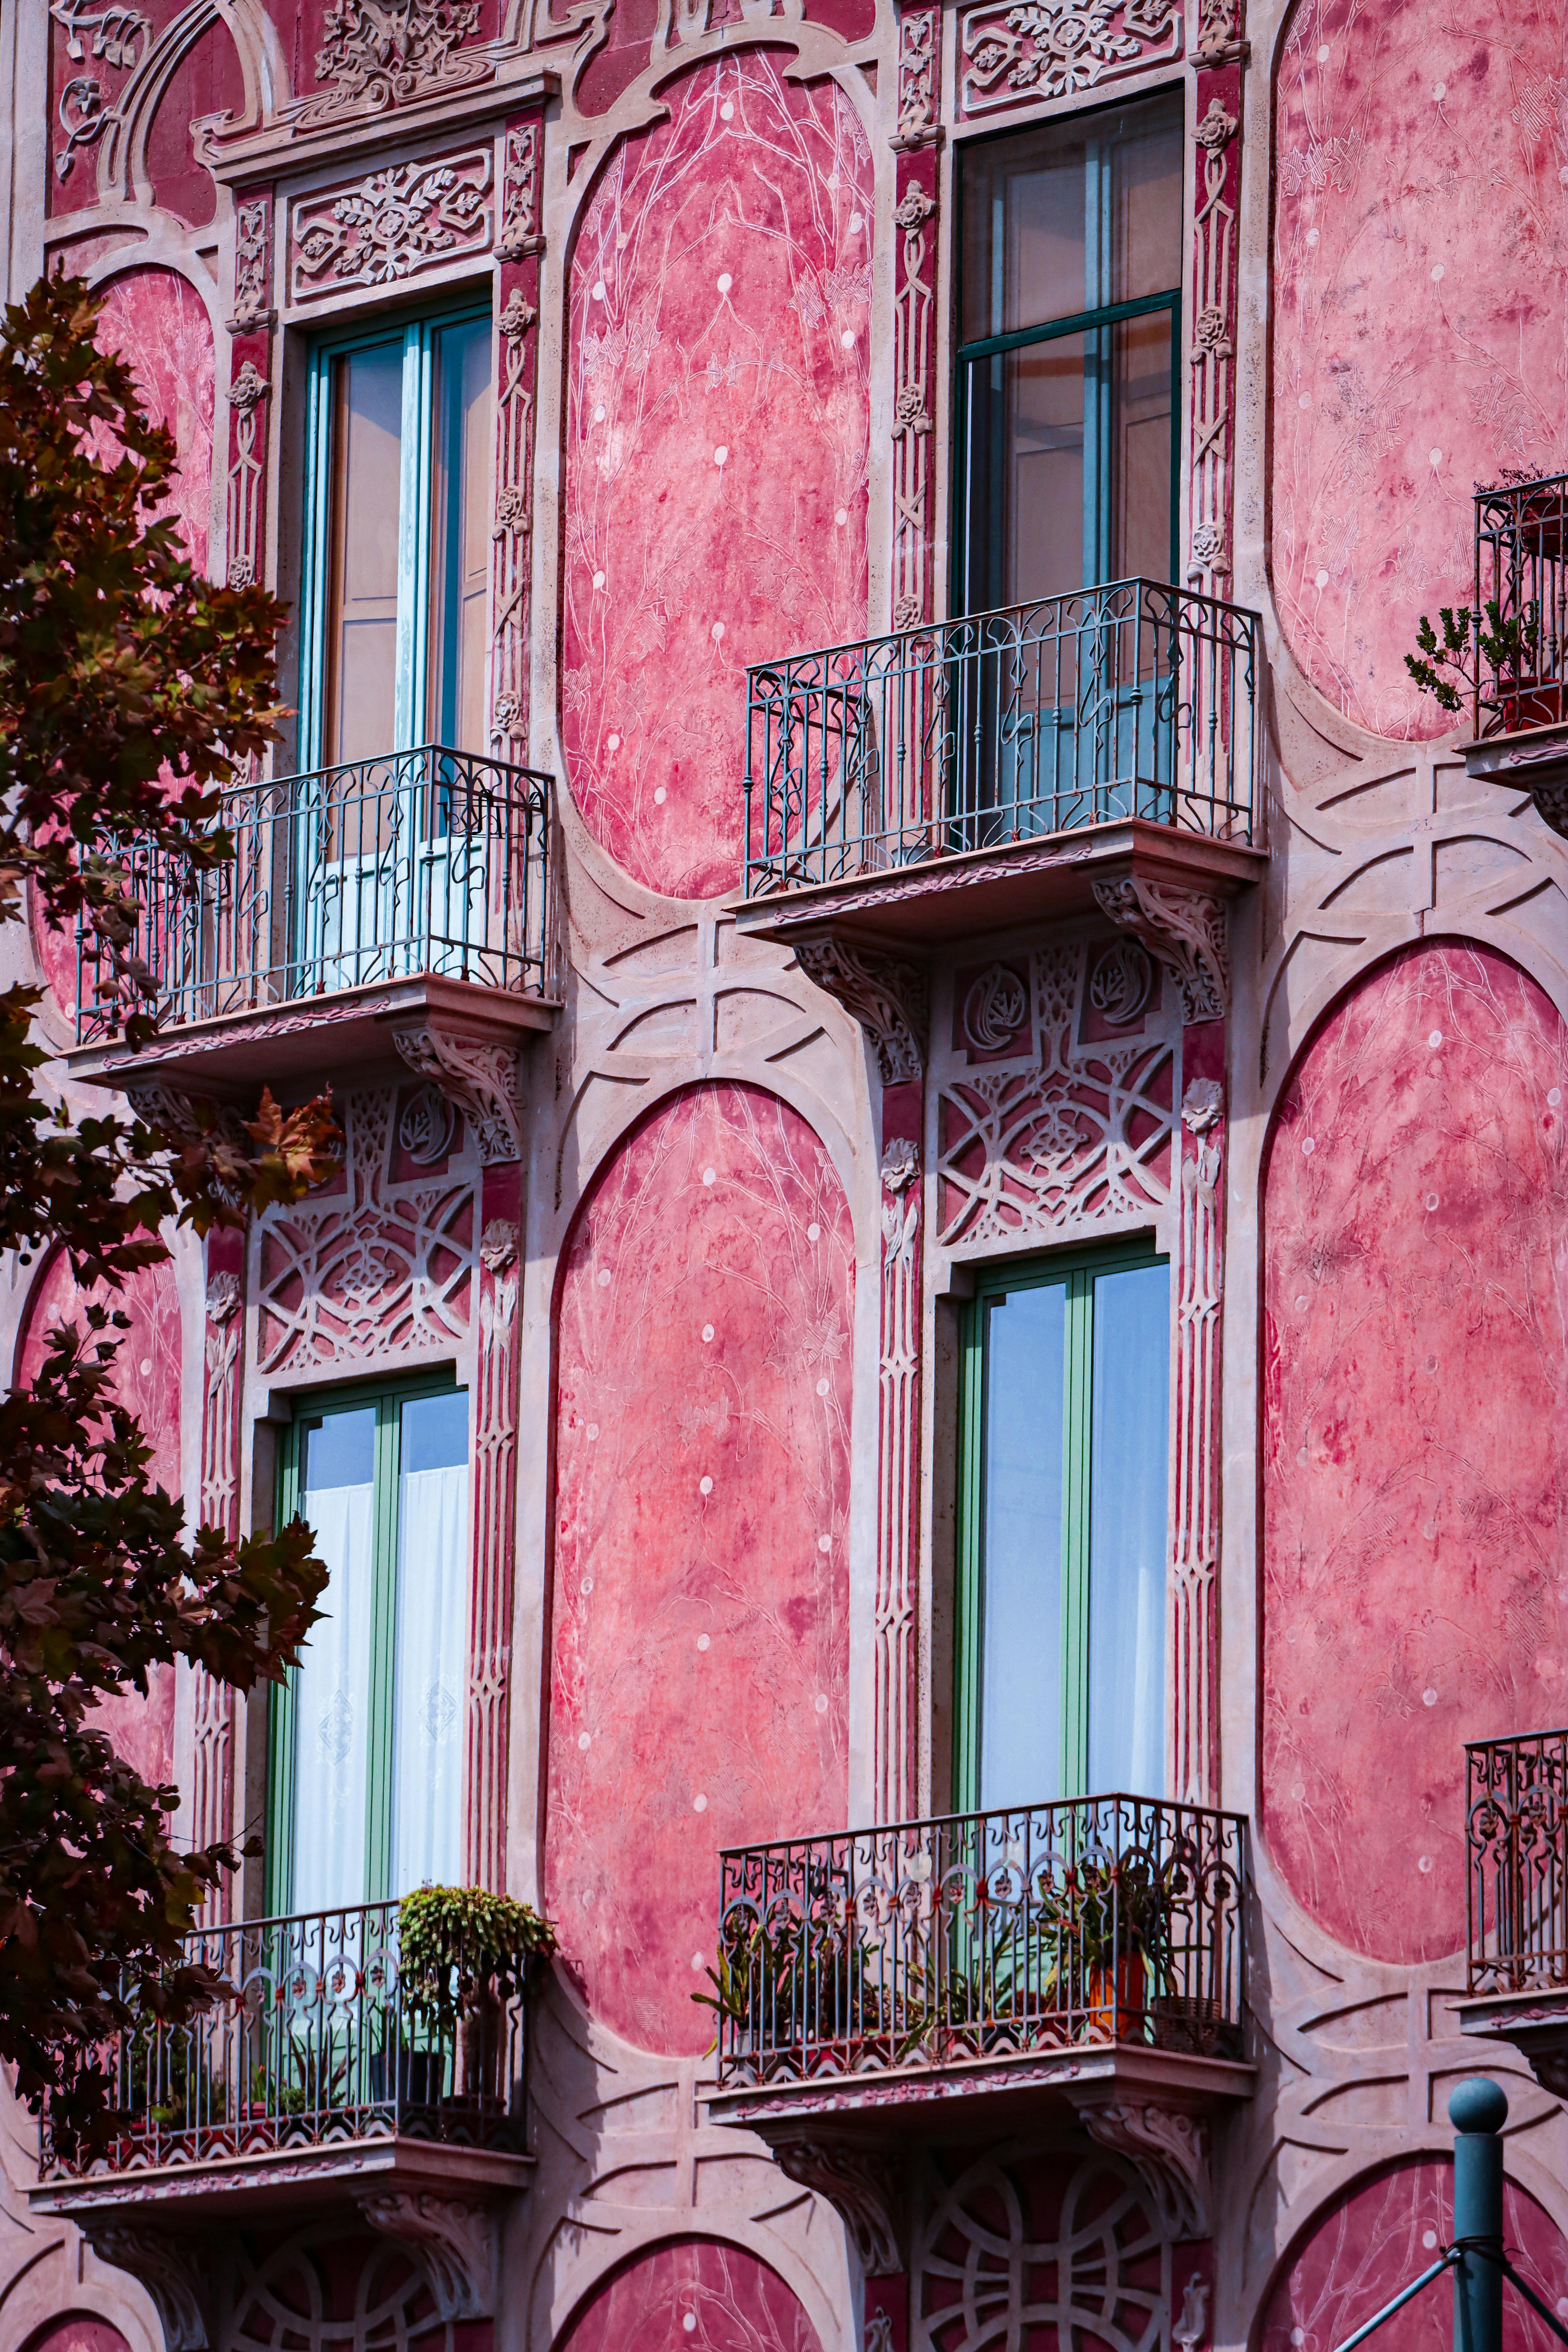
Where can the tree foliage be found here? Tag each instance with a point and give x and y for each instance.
(129, 689)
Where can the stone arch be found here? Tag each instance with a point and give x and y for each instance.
(690, 2291)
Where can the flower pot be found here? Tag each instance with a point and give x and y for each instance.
(1179, 2021)
(1114, 1997)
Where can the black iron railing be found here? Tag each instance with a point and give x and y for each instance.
(424, 861)
(979, 1935)
(1521, 567)
(1517, 1833)
(318, 2037)
(1133, 700)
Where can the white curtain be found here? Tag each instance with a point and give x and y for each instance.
(432, 1653)
(331, 1706)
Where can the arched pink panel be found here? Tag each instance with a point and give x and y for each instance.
(700, 1641)
(693, 2295)
(157, 322)
(148, 1378)
(209, 81)
(1416, 1207)
(79, 2331)
(1407, 364)
(716, 449)
(1376, 2238)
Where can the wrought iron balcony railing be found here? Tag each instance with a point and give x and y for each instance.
(424, 861)
(1521, 567)
(318, 2038)
(1517, 1834)
(1044, 1927)
(1133, 700)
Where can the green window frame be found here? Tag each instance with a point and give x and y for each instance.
(979, 392)
(428, 534)
(1075, 1275)
(388, 1401)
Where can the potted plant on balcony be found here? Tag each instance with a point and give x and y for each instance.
(462, 1954)
(789, 1991)
(1498, 658)
(1109, 1917)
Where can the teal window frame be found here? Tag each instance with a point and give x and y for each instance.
(389, 1399)
(1095, 322)
(1077, 1271)
(412, 720)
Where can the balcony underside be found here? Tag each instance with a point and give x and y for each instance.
(278, 2183)
(1040, 878)
(986, 2098)
(1534, 2022)
(313, 1037)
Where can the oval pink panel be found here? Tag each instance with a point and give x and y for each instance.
(700, 1642)
(1417, 338)
(695, 2295)
(716, 450)
(1414, 1431)
(1376, 2238)
(147, 1378)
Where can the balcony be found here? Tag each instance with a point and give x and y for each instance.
(991, 771)
(1520, 700)
(1078, 1965)
(321, 2074)
(1517, 1905)
(362, 898)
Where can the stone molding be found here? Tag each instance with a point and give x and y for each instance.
(865, 2188)
(1185, 930)
(1169, 2150)
(478, 1074)
(888, 999)
(456, 2242)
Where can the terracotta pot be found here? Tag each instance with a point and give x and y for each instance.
(1114, 1997)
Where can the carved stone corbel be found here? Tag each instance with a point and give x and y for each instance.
(171, 2269)
(456, 2242)
(865, 2188)
(1170, 2153)
(1184, 931)
(888, 999)
(478, 1074)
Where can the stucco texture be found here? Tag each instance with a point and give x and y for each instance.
(1420, 326)
(694, 2295)
(716, 449)
(147, 1377)
(1414, 1434)
(1376, 2238)
(700, 1641)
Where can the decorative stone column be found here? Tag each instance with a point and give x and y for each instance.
(916, 142)
(1216, 196)
(249, 387)
(495, 1526)
(518, 246)
(213, 1703)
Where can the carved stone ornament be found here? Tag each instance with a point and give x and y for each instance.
(888, 999)
(1169, 2151)
(1192, 2328)
(478, 1075)
(173, 2269)
(497, 1245)
(381, 53)
(456, 2242)
(994, 1010)
(1203, 1105)
(425, 1130)
(120, 38)
(1122, 984)
(391, 226)
(1010, 53)
(862, 2185)
(222, 1298)
(901, 1164)
(1182, 929)
(252, 266)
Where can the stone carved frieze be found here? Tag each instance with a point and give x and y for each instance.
(1010, 54)
(456, 2240)
(518, 246)
(1184, 931)
(252, 265)
(391, 226)
(920, 38)
(914, 375)
(211, 1778)
(478, 1074)
(1073, 1132)
(1195, 1518)
(1211, 355)
(494, 1546)
(380, 53)
(115, 39)
(1170, 2153)
(374, 1271)
(174, 2270)
(888, 998)
(864, 2187)
(247, 469)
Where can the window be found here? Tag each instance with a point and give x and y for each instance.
(1062, 1518)
(396, 542)
(367, 1736)
(1068, 426)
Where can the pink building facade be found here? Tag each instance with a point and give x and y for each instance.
(933, 1378)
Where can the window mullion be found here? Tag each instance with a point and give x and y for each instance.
(969, 1629)
(282, 1726)
(317, 558)
(414, 541)
(1077, 1390)
(382, 1654)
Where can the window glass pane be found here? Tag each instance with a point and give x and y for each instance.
(1127, 1532)
(432, 1643)
(1026, 435)
(1141, 447)
(361, 603)
(1021, 1554)
(460, 532)
(1072, 215)
(332, 1691)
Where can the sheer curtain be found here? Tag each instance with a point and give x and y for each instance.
(1127, 1542)
(331, 1705)
(432, 1644)
(1021, 1631)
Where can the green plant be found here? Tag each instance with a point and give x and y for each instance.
(811, 1977)
(1101, 1912)
(1474, 643)
(459, 1946)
